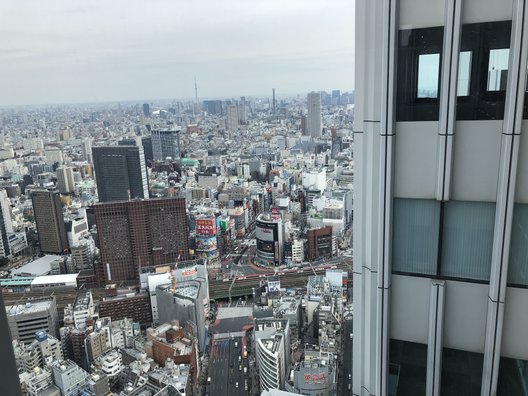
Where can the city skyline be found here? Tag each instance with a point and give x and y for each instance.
(60, 53)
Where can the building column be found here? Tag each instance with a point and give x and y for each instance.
(511, 131)
(448, 98)
(435, 337)
(386, 176)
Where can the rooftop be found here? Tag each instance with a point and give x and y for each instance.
(30, 306)
(38, 267)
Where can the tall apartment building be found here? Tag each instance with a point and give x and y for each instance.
(65, 182)
(47, 208)
(27, 317)
(441, 198)
(166, 144)
(120, 172)
(314, 123)
(232, 118)
(140, 233)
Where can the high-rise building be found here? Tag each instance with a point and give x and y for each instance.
(27, 317)
(47, 209)
(146, 141)
(166, 144)
(146, 109)
(232, 118)
(120, 172)
(65, 182)
(140, 233)
(314, 123)
(440, 198)
(6, 225)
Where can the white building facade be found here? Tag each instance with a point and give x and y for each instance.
(441, 198)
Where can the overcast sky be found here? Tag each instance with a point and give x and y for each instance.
(59, 51)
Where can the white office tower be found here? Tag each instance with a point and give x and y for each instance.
(272, 344)
(314, 123)
(65, 182)
(232, 118)
(440, 198)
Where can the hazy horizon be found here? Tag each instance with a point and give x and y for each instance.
(56, 52)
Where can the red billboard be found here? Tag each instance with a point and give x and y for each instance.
(206, 226)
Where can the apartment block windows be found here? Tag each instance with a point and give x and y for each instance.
(448, 240)
(483, 70)
(418, 74)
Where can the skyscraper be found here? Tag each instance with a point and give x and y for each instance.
(65, 182)
(140, 233)
(120, 172)
(146, 109)
(314, 123)
(47, 209)
(440, 198)
(6, 225)
(232, 118)
(166, 144)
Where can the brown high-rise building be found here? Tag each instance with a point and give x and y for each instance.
(139, 233)
(320, 242)
(47, 208)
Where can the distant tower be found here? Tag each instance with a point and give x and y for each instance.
(232, 118)
(274, 102)
(195, 93)
(314, 122)
(146, 109)
(65, 182)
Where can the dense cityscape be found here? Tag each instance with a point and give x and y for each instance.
(197, 247)
(331, 199)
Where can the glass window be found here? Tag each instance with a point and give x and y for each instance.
(464, 73)
(416, 225)
(483, 70)
(407, 368)
(418, 74)
(461, 373)
(518, 266)
(428, 70)
(513, 377)
(467, 239)
(498, 69)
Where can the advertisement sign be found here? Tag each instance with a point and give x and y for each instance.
(264, 234)
(205, 226)
(189, 271)
(316, 378)
(267, 247)
(274, 286)
(206, 244)
(224, 224)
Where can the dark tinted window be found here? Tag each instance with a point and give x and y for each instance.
(418, 75)
(483, 70)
